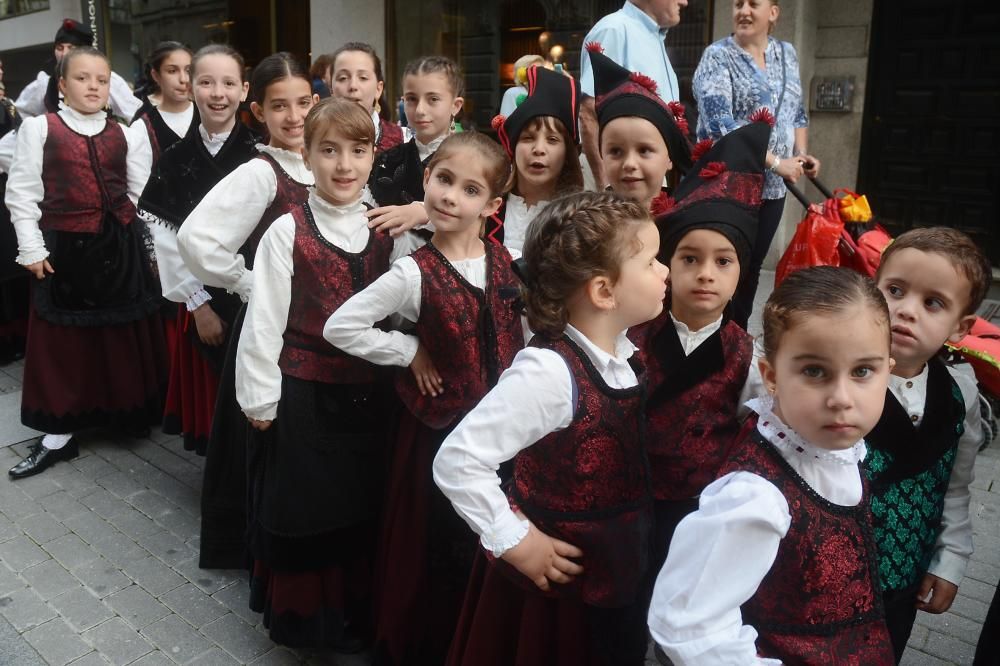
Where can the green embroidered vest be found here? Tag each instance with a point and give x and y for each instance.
(909, 469)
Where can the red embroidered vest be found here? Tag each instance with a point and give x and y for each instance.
(324, 277)
(471, 334)
(588, 484)
(290, 194)
(820, 602)
(84, 178)
(390, 135)
(691, 413)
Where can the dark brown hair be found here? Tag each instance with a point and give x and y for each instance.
(321, 66)
(496, 166)
(570, 178)
(441, 65)
(573, 239)
(820, 290)
(957, 248)
(219, 49)
(348, 117)
(364, 47)
(79, 51)
(275, 67)
(156, 58)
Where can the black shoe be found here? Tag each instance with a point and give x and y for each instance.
(40, 458)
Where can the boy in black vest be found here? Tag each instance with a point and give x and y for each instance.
(923, 449)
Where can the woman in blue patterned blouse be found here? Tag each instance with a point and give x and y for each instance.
(737, 76)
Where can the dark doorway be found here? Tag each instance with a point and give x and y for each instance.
(931, 131)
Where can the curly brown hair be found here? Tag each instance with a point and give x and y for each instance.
(573, 239)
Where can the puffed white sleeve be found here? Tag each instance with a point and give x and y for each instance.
(25, 190)
(532, 398)
(124, 103)
(139, 163)
(954, 544)
(753, 387)
(352, 327)
(215, 230)
(7, 144)
(718, 557)
(258, 377)
(31, 101)
(176, 280)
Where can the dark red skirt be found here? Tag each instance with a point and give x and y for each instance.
(504, 624)
(425, 555)
(78, 377)
(311, 608)
(193, 387)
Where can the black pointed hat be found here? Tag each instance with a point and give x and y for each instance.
(722, 191)
(75, 33)
(619, 93)
(549, 94)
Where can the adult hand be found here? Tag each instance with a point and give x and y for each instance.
(397, 219)
(790, 168)
(40, 268)
(942, 594)
(544, 559)
(810, 165)
(211, 328)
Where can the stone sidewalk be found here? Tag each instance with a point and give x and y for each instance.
(98, 565)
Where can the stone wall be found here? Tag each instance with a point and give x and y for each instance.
(335, 22)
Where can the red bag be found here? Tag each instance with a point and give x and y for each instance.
(815, 242)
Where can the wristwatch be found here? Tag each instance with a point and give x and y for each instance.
(774, 164)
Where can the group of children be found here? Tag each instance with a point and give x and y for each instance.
(627, 461)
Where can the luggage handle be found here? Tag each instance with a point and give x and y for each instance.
(800, 195)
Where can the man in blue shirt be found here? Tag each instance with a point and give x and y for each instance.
(634, 38)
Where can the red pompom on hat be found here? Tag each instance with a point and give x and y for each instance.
(75, 33)
(763, 115)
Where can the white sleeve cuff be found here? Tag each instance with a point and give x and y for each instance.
(266, 412)
(244, 285)
(197, 299)
(949, 566)
(32, 257)
(510, 531)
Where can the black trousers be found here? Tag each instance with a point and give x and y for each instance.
(900, 612)
(988, 650)
(768, 221)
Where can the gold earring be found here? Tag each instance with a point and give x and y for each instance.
(378, 107)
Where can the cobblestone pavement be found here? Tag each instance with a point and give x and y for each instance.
(98, 565)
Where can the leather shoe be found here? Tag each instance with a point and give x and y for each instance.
(40, 458)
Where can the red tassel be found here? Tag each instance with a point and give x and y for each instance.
(712, 170)
(763, 115)
(594, 47)
(700, 149)
(498, 121)
(661, 204)
(644, 81)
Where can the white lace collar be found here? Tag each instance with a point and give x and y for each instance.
(790, 442)
(428, 149)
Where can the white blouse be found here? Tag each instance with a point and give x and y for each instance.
(210, 239)
(516, 219)
(25, 189)
(720, 554)
(425, 150)
(143, 149)
(351, 327)
(691, 340)
(258, 377)
(954, 545)
(533, 397)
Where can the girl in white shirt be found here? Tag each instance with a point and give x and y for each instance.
(459, 293)
(559, 579)
(778, 565)
(540, 136)
(217, 243)
(95, 352)
(316, 454)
